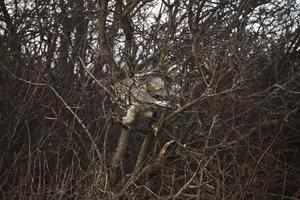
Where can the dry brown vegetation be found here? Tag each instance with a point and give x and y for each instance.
(234, 136)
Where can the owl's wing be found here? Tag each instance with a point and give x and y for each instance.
(141, 95)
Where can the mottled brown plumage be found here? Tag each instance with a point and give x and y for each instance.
(140, 96)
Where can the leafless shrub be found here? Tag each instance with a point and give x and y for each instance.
(232, 72)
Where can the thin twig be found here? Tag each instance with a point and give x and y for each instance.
(78, 120)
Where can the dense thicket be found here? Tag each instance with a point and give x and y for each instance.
(234, 136)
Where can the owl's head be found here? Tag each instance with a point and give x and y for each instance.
(156, 87)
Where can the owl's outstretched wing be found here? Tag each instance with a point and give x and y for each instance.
(141, 95)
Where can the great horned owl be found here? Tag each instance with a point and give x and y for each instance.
(141, 97)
